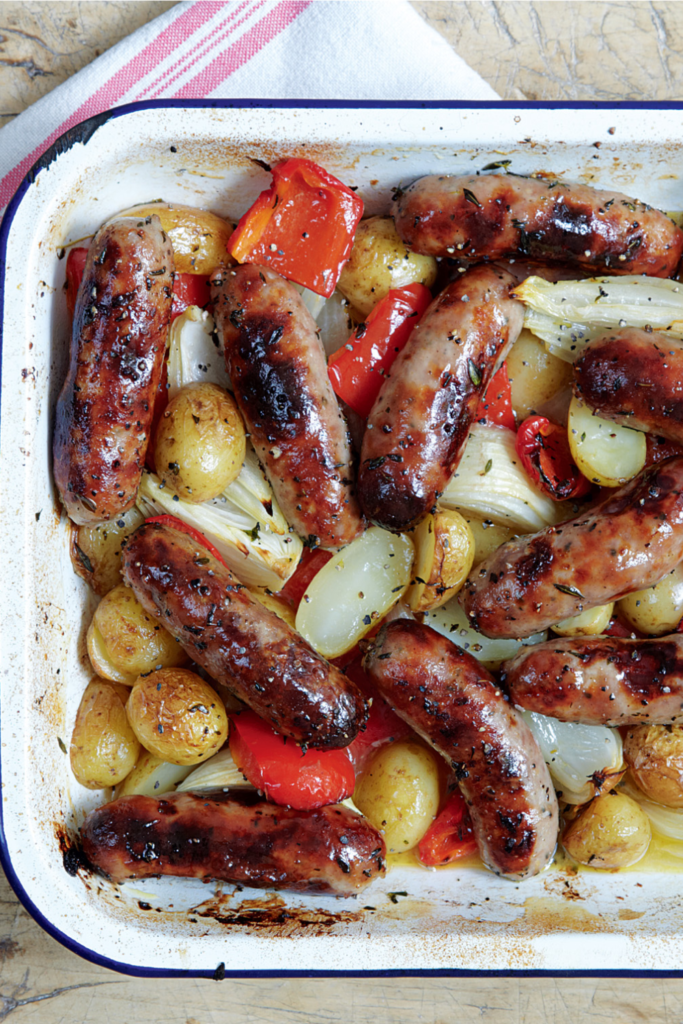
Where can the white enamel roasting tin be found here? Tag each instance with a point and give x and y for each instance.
(456, 919)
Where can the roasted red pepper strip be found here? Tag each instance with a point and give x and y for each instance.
(178, 524)
(543, 448)
(286, 773)
(495, 408)
(356, 369)
(309, 566)
(302, 226)
(450, 835)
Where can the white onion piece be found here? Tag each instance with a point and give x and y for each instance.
(193, 354)
(575, 752)
(354, 590)
(152, 777)
(251, 494)
(562, 338)
(333, 323)
(668, 821)
(451, 621)
(219, 772)
(491, 483)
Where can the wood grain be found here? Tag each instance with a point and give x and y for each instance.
(535, 50)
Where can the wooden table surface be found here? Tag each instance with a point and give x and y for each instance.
(536, 50)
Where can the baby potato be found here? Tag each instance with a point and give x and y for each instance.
(123, 640)
(589, 623)
(380, 261)
(444, 553)
(487, 535)
(199, 238)
(657, 610)
(104, 748)
(151, 776)
(399, 793)
(610, 832)
(200, 442)
(96, 550)
(605, 452)
(273, 604)
(535, 375)
(654, 754)
(177, 716)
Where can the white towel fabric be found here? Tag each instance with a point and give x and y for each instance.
(251, 49)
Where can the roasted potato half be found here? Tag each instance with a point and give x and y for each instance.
(535, 375)
(610, 832)
(96, 550)
(200, 443)
(104, 748)
(589, 623)
(151, 776)
(444, 553)
(654, 754)
(199, 238)
(657, 610)
(380, 261)
(124, 641)
(177, 716)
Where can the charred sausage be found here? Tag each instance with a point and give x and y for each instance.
(104, 411)
(496, 216)
(419, 423)
(602, 680)
(239, 642)
(628, 542)
(634, 378)
(455, 704)
(236, 837)
(278, 371)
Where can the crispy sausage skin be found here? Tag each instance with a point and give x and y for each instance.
(278, 370)
(601, 680)
(104, 412)
(422, 416)
(239, 642)
(454, 703)
(628, 542)
(635, 378)
(499, 216)
(236, 837)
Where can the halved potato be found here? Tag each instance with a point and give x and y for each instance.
(152, 776)
(444, 553)
(535, 375)
(273, 604)
(104, 748)
(588, 623)
(487, 535)
(606, 453)
(657, 610)
(96, 550)
(199, 238)
(610, 832)
(654, 754)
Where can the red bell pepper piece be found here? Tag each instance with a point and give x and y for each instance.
(178, 524)
(286, 773)
(450, 835)
(495, 408)
(356, 369)
(310, 564)
(543, 448)
(383, 725)
(302, 226)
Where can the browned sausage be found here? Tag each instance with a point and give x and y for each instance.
(419, 423)
(455, 704)
(236, 837)
(630, 541)
(239, 642)
(496, 216)
(277, 367)
(635, 378)
(600, 680)
(104, 412)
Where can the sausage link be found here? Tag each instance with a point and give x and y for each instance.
(118, 341)
(454, 703)
(634, 378)
(628, 542)
(421, 418)
(496, 216)
(600, 680)
(277, 367)
(239, 642)
(236, 837)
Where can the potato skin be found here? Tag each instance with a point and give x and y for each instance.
(449, 564)
(610, 832)
(96, 550)
(654, 754)
(177, 716)
(656, 610)
(535, 375)
(124, 641)
(380, 261)
(104, 748)
(399, 793)
(200, 442)
(199, 238)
